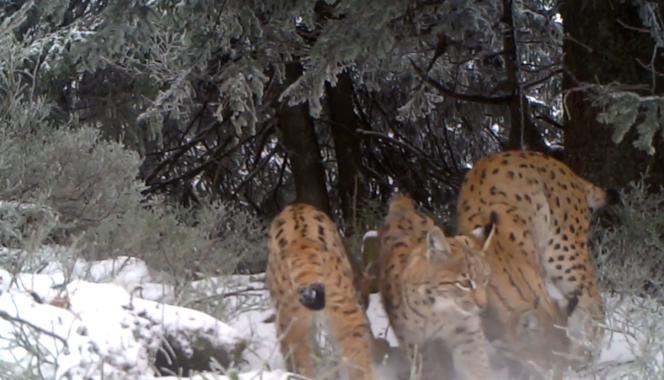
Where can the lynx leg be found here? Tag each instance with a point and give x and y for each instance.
(294, 329)
(355, 340)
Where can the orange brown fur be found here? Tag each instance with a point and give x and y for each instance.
(556, 205)
(433, 288)
(520, 314)
(306, 252)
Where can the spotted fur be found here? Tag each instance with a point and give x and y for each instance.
(556, 204)
(311, 280)
(521, 318)
(433, 289)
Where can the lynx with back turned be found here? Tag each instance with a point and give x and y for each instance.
(311, 279)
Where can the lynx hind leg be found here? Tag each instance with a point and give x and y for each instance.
(585, 334)
(581, 303)
(294, 329)
(552, 346)
(350, 329)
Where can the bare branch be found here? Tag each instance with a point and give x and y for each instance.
(459, 96)
(4, 315)
(549, 120)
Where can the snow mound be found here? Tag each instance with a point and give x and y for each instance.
(89, 330)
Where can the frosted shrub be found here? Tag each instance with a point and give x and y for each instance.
(74, 172)
(66, 185)
(210, 240)
(629, 257)
(22, 224)
(240, 235)
(630, 254)
(187, 245)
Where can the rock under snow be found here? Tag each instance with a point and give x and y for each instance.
(87, 329)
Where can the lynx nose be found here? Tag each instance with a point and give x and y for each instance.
(313, 296)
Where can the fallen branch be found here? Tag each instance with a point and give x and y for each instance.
(4, 315)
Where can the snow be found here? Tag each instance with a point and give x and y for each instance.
(86, 328)
(107, 319)
(252, 375)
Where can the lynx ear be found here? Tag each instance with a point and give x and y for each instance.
(438, 249)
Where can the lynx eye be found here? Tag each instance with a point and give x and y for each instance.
(465, 285)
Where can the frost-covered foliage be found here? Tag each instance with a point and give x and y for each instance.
(72, 186)
(630, 253)
(71, 174)
(65, 181)
(194, 86)
(211, 240)
(624, 110)
(82, 178)
(633, 339)
(23, 224)
(175, 43)
(641, 106)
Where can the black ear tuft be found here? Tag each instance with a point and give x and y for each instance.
(313, 296)
(613, 197)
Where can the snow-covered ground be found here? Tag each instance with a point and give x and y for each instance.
(106, 320)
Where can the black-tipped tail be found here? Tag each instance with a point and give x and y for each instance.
(493, 219)
(613, 197)
(313, 296)
(572, 303)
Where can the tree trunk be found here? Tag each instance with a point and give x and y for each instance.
(351, 185)
(599, 49)
(523, 133)
(299, 138)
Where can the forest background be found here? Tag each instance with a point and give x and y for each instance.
(174, 131)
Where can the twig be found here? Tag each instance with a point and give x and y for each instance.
(242, 291)
(550, 121)
(4, 315)
(455, 95)
(588, 48)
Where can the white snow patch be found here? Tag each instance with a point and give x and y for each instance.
(105, 330)
(252, 375)
(106, 325)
